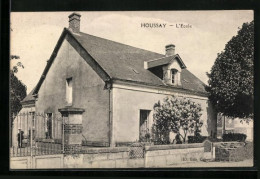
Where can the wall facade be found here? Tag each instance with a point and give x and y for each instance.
(128, 101)
(88, 92)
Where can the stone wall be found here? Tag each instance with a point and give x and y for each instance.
(233, 151)
(119, 157)
(37, 162)
(165, 155)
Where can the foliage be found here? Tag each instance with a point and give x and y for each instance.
(146, 137)
(231, 77)
(234, 137)
(17, 88)
(176, 114)
(196, 139)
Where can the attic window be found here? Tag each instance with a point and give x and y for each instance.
(174, 76)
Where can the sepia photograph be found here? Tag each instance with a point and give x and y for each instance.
(131, 89)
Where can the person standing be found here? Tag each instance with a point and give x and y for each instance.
(19, 138)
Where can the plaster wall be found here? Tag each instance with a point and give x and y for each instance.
(127, 104)
(88, 92)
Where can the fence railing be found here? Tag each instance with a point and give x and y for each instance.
(36, 134)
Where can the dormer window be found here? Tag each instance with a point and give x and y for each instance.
(168, 68)
(174, 76)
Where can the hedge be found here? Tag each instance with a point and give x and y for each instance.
(234, 137)
(196, 139)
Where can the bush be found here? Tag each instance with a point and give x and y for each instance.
(196, 139)
(177, 115)
(161, 142)
(234, 137)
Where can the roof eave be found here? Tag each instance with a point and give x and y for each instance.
(193, 92)
(54, 54)
(28, 102)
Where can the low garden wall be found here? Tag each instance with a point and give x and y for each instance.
(139, 156)
(165, 155)
(117, 157)
(122, 157)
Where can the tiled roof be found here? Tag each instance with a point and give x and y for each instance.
(122, 62)
(125, 62)
(164, 60)
(119, 60)
(29, 97)
(191, 82)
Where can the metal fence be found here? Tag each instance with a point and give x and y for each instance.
(137, 150)
(36, 134)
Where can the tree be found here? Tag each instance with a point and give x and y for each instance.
(17, 88)
(176, 114)
(17, 91)
(231, 77)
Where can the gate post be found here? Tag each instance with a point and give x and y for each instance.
(72, 129)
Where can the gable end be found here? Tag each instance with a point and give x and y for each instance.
(66, 34)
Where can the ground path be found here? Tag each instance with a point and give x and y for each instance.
(245, 163)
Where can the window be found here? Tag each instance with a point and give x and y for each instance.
(48, 129)
(144, 125)
(174, 76)
(69, 91)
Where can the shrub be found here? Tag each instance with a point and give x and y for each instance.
(196, 139)
(234, 137)
(176, 114)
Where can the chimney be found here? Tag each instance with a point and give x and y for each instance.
(74, 22)
(169, 50)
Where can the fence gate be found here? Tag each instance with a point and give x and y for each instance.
(37, 140)
(136, 151)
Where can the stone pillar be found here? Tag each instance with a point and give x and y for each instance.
(72, 129)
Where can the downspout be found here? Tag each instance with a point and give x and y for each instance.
(110, 118)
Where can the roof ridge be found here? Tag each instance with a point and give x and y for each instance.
(161, 58)
(119, 43)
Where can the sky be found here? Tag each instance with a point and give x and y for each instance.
(35, 34)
